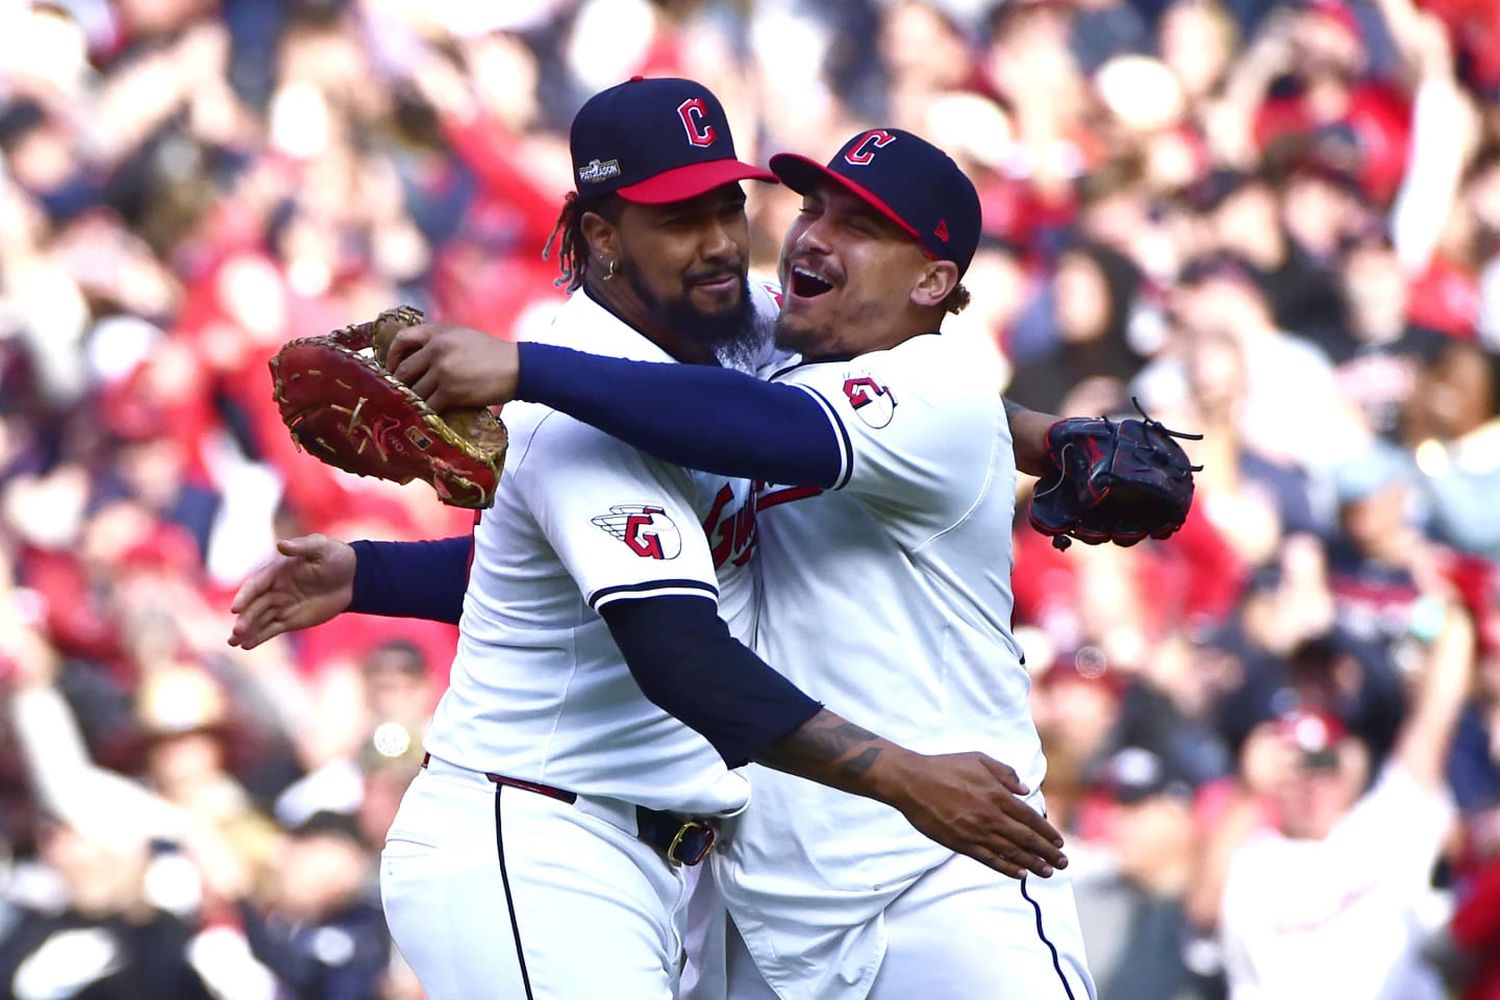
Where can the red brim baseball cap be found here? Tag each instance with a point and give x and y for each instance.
(682, 183)
(907, 180)
(655, 141)
(802, 175)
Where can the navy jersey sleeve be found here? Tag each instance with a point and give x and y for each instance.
(686, 662)
(412, 579)
(697, 416)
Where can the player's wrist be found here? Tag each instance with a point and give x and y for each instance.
(894, 775)
(1031, 439)
(539, 373)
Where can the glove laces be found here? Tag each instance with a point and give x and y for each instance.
(1161, 428)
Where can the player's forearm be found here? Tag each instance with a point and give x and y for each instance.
(412, 579)
(835, 752)
(1028, 431)
(696, 416)
(687, 664)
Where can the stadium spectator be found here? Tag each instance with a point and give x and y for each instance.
(1326, 900)
(1274, 221)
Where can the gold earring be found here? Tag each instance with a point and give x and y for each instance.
(611, 272)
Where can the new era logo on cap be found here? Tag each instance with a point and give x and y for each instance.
(905, 178)
(655, 141)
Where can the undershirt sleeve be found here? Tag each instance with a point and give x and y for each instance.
(687, 664)
(412, 579)
(698, 416)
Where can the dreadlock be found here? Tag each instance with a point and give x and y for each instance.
(572, 245)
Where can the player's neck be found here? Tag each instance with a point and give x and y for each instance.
(630, 310)
(846, 350)
(883, 334)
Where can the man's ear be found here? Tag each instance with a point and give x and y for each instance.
(602, 235)
(938, 278)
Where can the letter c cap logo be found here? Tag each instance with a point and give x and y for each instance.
(694, 114)
(863, 150)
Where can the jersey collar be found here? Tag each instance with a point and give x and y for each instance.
(586, 325)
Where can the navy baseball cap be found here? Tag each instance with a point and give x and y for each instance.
(905, 178)
(655, 141)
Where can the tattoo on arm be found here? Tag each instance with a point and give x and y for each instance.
(829, 750)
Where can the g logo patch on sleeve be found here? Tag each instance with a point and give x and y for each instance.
(646, 530)
(872, 402)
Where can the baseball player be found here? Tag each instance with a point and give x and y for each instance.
(542, 850)
(887, 475)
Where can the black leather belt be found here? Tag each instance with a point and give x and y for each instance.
(684, 840)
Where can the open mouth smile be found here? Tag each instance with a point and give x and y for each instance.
(808, 284)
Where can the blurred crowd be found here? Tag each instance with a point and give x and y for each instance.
(1277, 224)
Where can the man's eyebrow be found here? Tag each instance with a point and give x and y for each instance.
(734, 199)
(865, 213)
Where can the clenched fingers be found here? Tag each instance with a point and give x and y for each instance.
(412, 369)
(403, 345)
(427, 382)
(439, 399)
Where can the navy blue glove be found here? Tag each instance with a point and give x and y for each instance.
(1113, 481)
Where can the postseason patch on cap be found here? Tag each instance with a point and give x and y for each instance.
(596, 171)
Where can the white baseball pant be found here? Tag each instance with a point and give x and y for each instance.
(498, 892)
(963, 931)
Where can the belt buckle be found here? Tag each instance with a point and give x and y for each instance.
(694, 840)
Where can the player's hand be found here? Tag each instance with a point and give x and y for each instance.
(310, 581)
(971, 803)
(455, 366)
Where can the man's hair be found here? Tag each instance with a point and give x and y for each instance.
(956, 300)
(572, 244)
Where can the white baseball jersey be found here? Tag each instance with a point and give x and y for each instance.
(888, 598)
(1335, 917)
(539, 691)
